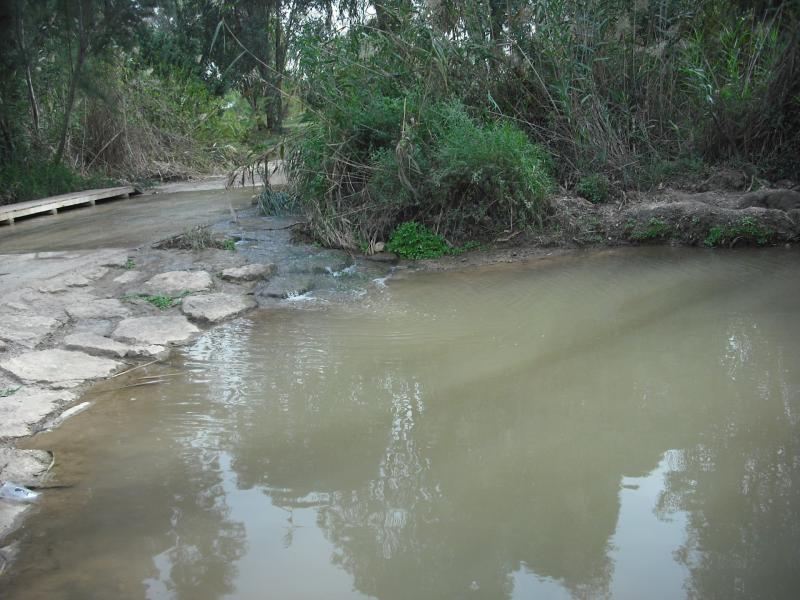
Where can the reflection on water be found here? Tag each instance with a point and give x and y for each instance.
(618, 425)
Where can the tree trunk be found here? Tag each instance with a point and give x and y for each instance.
(73, 82)
(28, 77)
(32, 100)
(275, 110)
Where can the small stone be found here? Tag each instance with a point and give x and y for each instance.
(249, 272)
(379, 247)
(175, 282)
(216, 307)
(95, 344)
(155, 330)
(98, 309)
(3, 346)
(24, 409)
(56, 286)
(152, 351)
(58, 366)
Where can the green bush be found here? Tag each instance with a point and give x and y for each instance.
(594, 188)
(359, 176)
(415, 241)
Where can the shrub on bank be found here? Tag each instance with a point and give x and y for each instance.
(359, 178)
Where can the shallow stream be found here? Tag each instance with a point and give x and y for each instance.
(619, 424)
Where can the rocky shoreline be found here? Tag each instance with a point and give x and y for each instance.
(70, 319)
(73, 318)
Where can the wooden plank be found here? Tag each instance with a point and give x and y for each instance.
(53, 203)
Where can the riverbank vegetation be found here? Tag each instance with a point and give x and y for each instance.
(460, 116)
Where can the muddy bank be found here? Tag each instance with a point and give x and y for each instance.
(709, 219)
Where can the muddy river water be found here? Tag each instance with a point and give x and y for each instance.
(620, 424)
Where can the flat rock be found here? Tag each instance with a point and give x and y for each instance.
(102, 327)
(24, 467)
(27, 407)
(287, 286)
(58, 366)
(76, 278)
(252, 272)
(128, 277)
(216, 307)
(92, 343)
(175, 282)
(104, 308)
(111, 258)
(155, 330)
(26, 329)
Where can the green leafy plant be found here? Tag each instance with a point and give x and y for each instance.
(747, 228)
(130, 264)
(160, 301)
(229, 244)
(415, 241)
(594, 187)
(6, 392)
(656, 229)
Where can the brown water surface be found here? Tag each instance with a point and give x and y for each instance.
(623, 424)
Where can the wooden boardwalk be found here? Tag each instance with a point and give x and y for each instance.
(51, 205)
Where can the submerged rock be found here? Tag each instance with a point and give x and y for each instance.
(59, 367)
(252, 272)
(155, 330)
(175, 282)
(216, 307)
(287, 286)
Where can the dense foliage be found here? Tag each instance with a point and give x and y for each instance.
(446, 113)
(458, 115)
